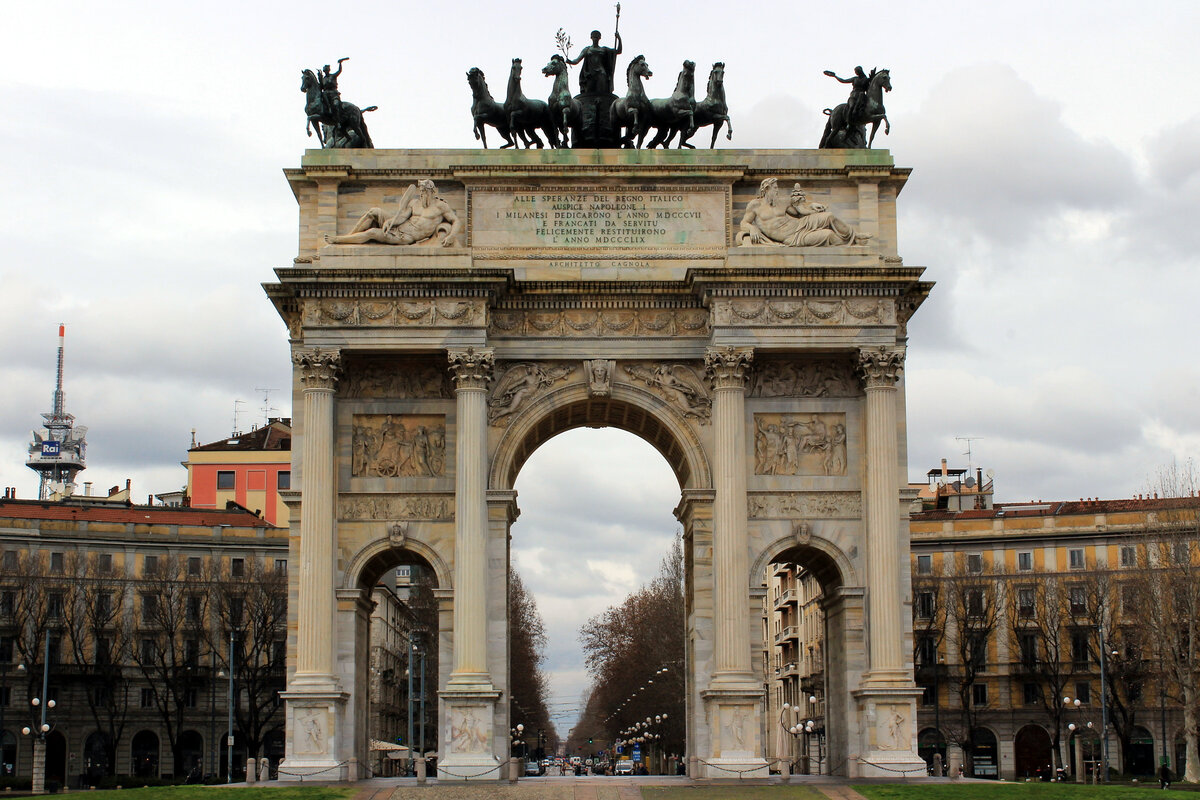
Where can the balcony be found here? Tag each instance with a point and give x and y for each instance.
(785, 597)
(791, 632)
(791, 668)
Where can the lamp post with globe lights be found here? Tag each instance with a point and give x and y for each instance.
(39, 735)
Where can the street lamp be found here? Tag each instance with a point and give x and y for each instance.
(38, 785)
(793, 730)
(229, 731)
(818, 728)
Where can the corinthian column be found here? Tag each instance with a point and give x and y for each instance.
(472, 371)
(880, 369)
(728, 369)
(319, 370)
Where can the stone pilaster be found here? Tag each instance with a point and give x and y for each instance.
(880, 369)
(319, 370)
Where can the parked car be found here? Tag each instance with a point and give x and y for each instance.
(624, 767)
(532, 768)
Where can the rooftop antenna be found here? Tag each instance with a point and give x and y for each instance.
(267, 408)
(968, 440)
(57, 453)
(237, 404)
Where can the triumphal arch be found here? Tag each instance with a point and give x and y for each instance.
(744, 311)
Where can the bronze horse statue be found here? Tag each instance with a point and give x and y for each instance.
(713, 110)
(676, 114)
(334, 129)
(852, 133)
(564, 109)
(632, 112)
(526, 115)
(486, 111)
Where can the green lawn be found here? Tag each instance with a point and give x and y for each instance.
(971, 790)
(776, 792)
(219, 793)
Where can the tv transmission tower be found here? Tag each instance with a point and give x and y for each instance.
(58, 451)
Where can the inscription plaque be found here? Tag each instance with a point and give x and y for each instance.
(599, 218)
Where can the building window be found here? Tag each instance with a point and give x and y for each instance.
(194, 566)
(149, 607)
(1083, 692)
(149, 565)
(224, 479)
(1180, 553)
(237, 567)
(54, 605)
(281, 566)
(925, 605)
(974, 563)
(283, 480)
(1128, 555)
(191, 698)
(7, 644)
(1077, 597)
(279, 652)
(191, 652)
(101, 697)
(928, 696)
(924, 565)
(1025, 561)
(147, 698)
(1075, 558)
(192, 609)
(149, 651)
(1033, 694)
(979, 694)
(1029, 649)
(8, 602)
(237, 605)
(1025, 602)
(104, 606)
(10, 559)
(975, 602)
(926, 651)
(56, 563)
(1079, 649)
(978, 651)
(104, 564)
(103, 650)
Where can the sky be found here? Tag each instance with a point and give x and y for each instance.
(1056, 183)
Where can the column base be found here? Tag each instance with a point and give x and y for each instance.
(887, 729)
(315, 721)
(733, 714)
(470, 750)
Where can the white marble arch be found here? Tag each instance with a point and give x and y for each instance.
(381, 546)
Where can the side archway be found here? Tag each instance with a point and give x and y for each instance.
(1032, 751)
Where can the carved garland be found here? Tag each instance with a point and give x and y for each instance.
(367, 313)
(586, 322)
(763, 311)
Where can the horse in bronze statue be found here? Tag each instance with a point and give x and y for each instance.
(564, 109)
(526, 115)
(632, 112)
(677, 113)
(852, 133)
(486, 111)
(712, 110)
(346, 128)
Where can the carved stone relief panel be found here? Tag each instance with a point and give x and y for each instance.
(737, 727)
(800, 444)
(891, 728)
(395, 379)
(398, 445)
(680, 385)
(466, 729)
(802, 311)
(519, 384)
(363, 312)
(373, 507)
(600, 322)
(808, 505)
(312, 725)
(783, 377)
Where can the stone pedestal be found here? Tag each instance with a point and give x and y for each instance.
(39, 766)
(316, 721)
(887, 745)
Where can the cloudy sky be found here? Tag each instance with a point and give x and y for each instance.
(1056, 156)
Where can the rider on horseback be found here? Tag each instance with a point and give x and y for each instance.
(856, 104)
(329, 90)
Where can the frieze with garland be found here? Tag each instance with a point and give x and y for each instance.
(361, 313)
(376, 507)
(808, 505)
(595, 322)
(802, 311)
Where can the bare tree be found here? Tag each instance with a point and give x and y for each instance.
(974, 601)
(99, 644)
(1039, 624)
(250, 617)
(165, 631)
(528, 684)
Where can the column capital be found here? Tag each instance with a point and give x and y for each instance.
(472, 369)
(319, 368)
(880, 367)
(728, 367)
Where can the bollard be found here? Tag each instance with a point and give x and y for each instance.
(937, 765)
(421, 767)
(693, 768)
(785, 770)
(513, 767)
(251, 770)
(352, 769)
(264, 769)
